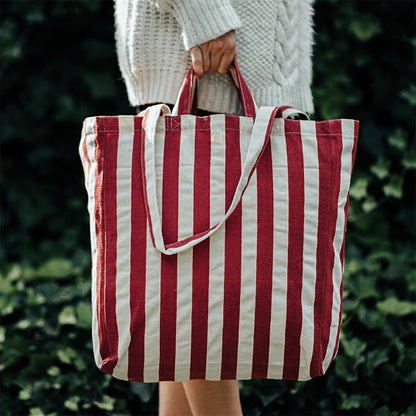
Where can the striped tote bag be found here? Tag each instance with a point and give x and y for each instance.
(217, 242)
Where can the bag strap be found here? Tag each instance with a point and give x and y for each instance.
(186, 101)
(259, 138)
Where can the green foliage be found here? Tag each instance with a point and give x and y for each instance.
(58, 66)
(45, 342)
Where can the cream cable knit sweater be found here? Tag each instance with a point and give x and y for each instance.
(274, 43)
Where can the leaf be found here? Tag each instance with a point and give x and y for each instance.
(410, 94)
(345, 369)
(358, 189)
(370, 204)
(66, 355)
(80, 364)
(67, 316)
(410, 411)
(351, 402)
(394, 187)
(375, 358)
(54, 371)
(36, 411)
(409, 159)
(353, 347)
(398, 140)
(38, 361)
(411, 377)
(83, 315)
(55, 268)
(381, 169)
(107, 403)
(26, 392)
(144, 390)
(14, 273)
(384, 411)
(363, 286)
(396, 307)
(23, 324)
(365, 29)
(72, 403)
(352, 266)
(411, 280)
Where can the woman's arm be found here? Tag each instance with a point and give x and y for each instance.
(207, 31)
(201, 20)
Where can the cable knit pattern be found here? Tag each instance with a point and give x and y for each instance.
(274, 42)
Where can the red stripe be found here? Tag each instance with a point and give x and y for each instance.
(333, 128)
(137, 262)
(295, 251)
(107, 280)
(324, 159)
(336, 147)
(168, 279)
(281, 110)
(100, 241)
(264, 266)
(232, 262)
(200, 264)
(343, 242)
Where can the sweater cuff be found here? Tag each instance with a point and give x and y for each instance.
(204, 20)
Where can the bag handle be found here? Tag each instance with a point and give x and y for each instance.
(187, 94)
(259, 138)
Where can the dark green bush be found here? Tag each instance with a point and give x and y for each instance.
(58, 65)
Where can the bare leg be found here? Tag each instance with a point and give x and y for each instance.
(208, 398)
(172, 399)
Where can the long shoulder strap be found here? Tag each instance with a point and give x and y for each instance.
(259, 138)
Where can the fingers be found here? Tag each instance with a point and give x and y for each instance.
(197, 61)
(215, 55)
(216, 50)
(226, 61)
(206, 56)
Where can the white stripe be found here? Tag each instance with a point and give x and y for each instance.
(280, 248)
(311, 186)
(153, 265)
(82, 155)
(248, 278)
(123, 183)
(186, 177)
(184, 316)
(217, 204)
(246, 128)
(159, 153)
(185, 229)
(217, 249)
(152, 313)
(248, 262)
(346, 166)
(292, 111)
(90, 141)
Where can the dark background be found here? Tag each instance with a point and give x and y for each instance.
(58, 66)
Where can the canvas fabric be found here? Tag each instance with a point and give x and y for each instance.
(217, 242)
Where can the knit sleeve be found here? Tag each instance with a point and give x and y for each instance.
(201, 20)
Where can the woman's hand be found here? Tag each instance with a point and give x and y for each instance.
(215, 55)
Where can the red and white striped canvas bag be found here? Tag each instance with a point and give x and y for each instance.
(217, 242)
